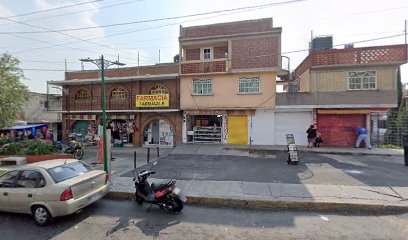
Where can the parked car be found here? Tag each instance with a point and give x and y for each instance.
(51, 189)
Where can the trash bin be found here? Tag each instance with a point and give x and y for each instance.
(405, 143)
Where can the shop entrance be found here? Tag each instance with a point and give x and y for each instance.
(81, 127)
(158, 132)
(121, 131)
(204, 128)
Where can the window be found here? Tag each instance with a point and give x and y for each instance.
(249, 85)
(118, 94)
(30, 179)
(202, 87)
(207, 53)
(82, 95)
(8, 179)
(158, 90)
(67, 171)
(362, 80)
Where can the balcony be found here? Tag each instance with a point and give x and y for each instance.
(350, 56)
(128, 103)
(198, 67)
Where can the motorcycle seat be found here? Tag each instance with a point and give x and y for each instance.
(162, 184)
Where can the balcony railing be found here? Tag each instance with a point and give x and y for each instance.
(94, 103)
(214, 66)
(365, 55)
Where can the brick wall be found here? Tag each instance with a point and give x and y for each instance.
(193, 54)
(132, 88)
(203, 67)
(219, 52)
(124, 72)
(255, 52)
(251, 26)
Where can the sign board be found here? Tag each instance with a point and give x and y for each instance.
(159, 100)
(292, 149)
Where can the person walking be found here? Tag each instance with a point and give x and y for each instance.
(363, 135)
(311, 136)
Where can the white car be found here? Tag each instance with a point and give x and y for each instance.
(52, 188)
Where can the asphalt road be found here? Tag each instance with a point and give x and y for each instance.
(108, 219)
(324, 169)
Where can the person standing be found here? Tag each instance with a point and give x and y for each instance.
(311, 136)
(363, 135)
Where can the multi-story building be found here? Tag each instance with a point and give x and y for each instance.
(228, 74)
(340, 90)
(143, 104)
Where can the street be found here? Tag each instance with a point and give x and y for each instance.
(108, 219)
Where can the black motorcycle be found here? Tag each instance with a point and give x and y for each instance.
(165, 194)
(72, 147)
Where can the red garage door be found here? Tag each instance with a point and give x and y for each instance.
(340, 129)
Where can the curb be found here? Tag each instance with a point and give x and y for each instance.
(306, 206)
(317, 152)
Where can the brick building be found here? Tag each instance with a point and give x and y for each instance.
(227, 81)
(342, 89)
(143, 104)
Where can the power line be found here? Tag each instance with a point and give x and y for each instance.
(160, 19)
(252, 9)
(362, 41)
(53, 9)
(303, 50)
(76, 12)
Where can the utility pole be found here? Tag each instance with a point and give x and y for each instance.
(159, 55)
(101, 63)
(138, 63)
(406, 31)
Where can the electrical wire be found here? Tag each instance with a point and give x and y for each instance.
(76, 12)
(158, 19)
(53, 9)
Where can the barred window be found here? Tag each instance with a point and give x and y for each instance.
(118, 94)
(82, 94)
(249, 85)
(202, 86)
(362, 80)
(207, 53)
(158, 90)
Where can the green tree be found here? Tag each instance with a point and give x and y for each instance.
(13, 94)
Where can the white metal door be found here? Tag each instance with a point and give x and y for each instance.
(292, 122)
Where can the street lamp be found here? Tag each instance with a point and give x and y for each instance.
(101, 63)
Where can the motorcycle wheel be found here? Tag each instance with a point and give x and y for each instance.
(178, 205)
(139, 199)
(79, 153)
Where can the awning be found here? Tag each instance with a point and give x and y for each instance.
(343, 111)
(26, 127)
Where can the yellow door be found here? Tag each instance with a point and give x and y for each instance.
(237, 129)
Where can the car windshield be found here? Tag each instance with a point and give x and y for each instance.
(67, 171)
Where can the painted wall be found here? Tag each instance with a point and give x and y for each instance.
(225, 93)
(262, 127)
(292, 122)
(330, 80)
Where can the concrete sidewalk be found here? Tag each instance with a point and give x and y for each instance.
(305, 197)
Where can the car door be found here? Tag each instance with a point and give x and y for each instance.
(23, 194)
(7, 182)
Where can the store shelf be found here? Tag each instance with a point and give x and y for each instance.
(207, 134)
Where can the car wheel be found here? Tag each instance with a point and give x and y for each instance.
(42, 216)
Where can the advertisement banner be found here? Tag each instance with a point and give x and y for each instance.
(159, 100)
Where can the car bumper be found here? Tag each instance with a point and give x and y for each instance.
(62, 208)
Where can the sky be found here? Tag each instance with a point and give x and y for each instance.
(44, 55)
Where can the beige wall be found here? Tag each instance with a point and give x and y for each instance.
(331, 80)
(304, 83)
(225, 93)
